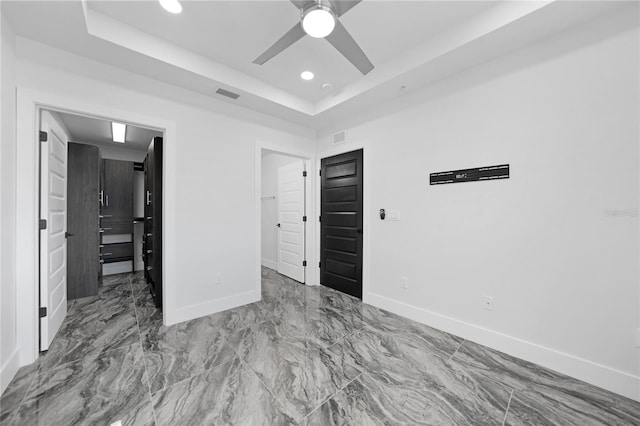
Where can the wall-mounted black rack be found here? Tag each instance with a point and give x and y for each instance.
(470, 175)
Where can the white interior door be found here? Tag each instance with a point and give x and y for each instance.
(53, 242)
(291, 229)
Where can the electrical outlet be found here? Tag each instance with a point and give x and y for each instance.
(488, 303)
(404, 282)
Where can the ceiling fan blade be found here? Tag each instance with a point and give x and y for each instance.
(293, 35)
(343, 6)
(301, 4)
(342, 40)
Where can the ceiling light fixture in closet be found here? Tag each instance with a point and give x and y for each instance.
(118, 131)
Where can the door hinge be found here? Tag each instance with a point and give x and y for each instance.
(43, 312)
(304, 263)
(43, 223)
(304, 218)
(43, 136)
(304, 173)
(319, 264)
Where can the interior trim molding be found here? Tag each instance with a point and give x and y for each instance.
(186, 313)
(271, 264)
(9, 370)
(608, 378)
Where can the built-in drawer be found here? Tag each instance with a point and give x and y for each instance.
(109, 227)
(115, 251)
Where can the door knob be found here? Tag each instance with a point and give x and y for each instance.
(278, 225)
(67, 235)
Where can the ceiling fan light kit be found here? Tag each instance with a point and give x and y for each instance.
(318, 20)
(171, 6)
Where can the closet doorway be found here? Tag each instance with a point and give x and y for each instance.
(101, 220)
(284, 215)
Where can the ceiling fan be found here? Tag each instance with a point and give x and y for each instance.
(320, 20)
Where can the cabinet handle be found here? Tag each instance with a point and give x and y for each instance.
(107, 197)
(149, 251)
(149, 268)
(149, 217)
(101, 261)
(148, 197)
(105, 229)
(149, 235)
(106, 254)
(102, 198)
(104, 215)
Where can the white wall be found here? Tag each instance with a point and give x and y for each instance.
(556, 245)
(8, 336)
(214, 171)
(270, 165)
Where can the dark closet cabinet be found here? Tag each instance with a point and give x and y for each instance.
(117, 197)
(116, 209)
(152, 237)
(83, 181)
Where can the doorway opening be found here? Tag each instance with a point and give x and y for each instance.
(283, 204)
(100, 233)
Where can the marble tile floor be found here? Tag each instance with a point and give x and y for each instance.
(302, 355)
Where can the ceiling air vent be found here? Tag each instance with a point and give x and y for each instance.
(228, 94)
(339, 137)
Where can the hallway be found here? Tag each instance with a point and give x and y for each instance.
(306, 355)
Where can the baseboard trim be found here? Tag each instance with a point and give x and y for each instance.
(270, 264)
(198, 310)
(9, 370)
(608, 378)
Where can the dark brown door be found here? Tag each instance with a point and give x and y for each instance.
(341, 223)
(152, 240)
(83, 183)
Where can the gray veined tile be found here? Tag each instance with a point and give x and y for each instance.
(228, 394)
(553, 398)
(16, 391)
(183, 350)
(95, 390)
(495, 365)
(241, 317)
(94, 332)
(367, 401)
(301, 374)
(406, 369)
(116, 279)
(545, 405)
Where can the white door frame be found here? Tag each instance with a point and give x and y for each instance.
(309, 158)
(29, 104)
(368, 214)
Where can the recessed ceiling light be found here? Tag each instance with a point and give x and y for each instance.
(319, 20)
(172, 6)
(118, 130)
(306, 75)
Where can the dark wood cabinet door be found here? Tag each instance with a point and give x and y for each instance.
(83, 180)
(117, 196)
(118, 189)
(341, 223)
